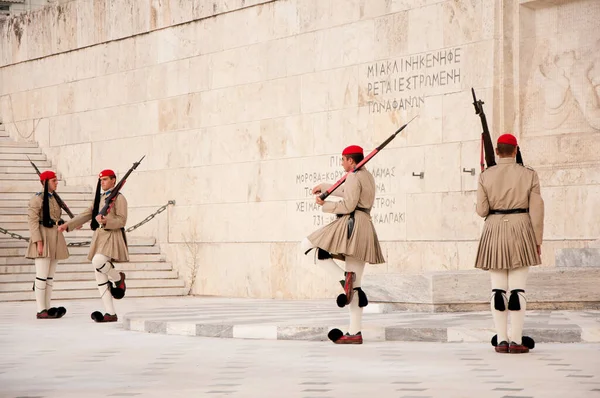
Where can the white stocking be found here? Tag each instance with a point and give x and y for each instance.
(334, 271)
(50, 282)
(100, 261)
(42, 266)
(517, 279)
(500, 281)
(358, 267)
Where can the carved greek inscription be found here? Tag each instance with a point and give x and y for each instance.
(403, 83)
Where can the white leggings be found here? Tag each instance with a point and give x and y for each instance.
(514, 279)
(44, 278)
(104, 270)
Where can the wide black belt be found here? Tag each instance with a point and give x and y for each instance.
(509, 211)
(53, 223)
(351, 219)
(352, 214)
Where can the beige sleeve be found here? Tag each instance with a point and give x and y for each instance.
(339, 192)
(536, 209)
(351, 196)
(117, 217)
(80, 219)
(33, 218)
(483, 205)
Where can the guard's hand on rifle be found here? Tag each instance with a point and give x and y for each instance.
(320, 201)
(317, 190)
(62, 228)
(101, 219)
(40, 247)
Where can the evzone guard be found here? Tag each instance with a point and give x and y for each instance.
(109, 243)
(47, 245)
(351, 237)
(509, 198)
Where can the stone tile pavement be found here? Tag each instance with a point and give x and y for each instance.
(75, 357)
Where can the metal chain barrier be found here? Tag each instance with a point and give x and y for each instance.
(79, 244)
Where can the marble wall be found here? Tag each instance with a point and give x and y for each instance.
(242, 106)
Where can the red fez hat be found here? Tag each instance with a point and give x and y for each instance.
(352, 149)
(106, 173)
(507, 139)
(47, 175)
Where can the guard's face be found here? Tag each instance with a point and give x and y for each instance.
(107, 182)
(52, 184)
(348, 164)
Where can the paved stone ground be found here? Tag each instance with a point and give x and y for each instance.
(74, 357)
(311, 320)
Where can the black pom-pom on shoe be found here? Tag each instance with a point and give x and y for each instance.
(52, 312)
(335, 334)
(341, 300)
(60, 312)
(97, 316)
(495, 340)
(528, 342)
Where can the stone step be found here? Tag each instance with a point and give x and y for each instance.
(41, 164)
(3, 132)
(88, 275)
(78, 235)
(20, 150)
(12, 218)
(92, 293)
(35, 157)
(19, 177)
(131, 241)
(19, 144)
(134, 258)
(8, 252)
(30, 187)
(547, 288)
(578, 257)
(90, 284)
(18, 170)
(87, 267)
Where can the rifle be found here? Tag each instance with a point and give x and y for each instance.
(486, 139)
(363, 162)
(109, 202)
(60, 202)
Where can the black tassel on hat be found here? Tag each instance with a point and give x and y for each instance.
(46, 220)
(519, 157)
(94, 225)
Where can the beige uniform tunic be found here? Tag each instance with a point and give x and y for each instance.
(55, 246)
(509, 240)
(108, 240)
(358, 191)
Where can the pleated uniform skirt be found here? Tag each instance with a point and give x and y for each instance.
(363, 243)
(507, 242)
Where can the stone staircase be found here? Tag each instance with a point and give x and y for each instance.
(148, 274)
